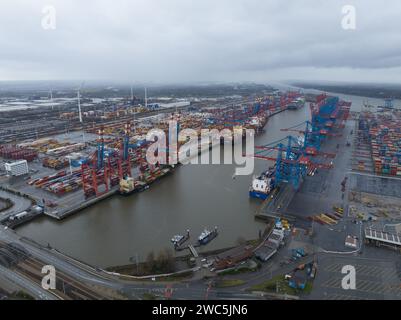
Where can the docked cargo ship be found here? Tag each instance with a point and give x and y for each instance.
(263, 185)
(296, 104)
(258, 122)
(129, 186)
(150, 176)
(206, 236)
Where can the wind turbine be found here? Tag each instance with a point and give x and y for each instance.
(79, 109)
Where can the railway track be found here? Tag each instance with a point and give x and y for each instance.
(67, 288)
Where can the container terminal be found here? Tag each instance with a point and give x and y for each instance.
(334, 174)
(100, 158)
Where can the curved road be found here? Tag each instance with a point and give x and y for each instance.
(20, 204)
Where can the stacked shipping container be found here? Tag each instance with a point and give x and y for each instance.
(17, 153)
(383, 132)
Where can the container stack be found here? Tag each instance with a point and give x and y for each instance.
(59, 183)
(56, 163)
(17, 153)
(385, 140)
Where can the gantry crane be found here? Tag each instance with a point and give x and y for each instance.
(312, 138)
(291, 162)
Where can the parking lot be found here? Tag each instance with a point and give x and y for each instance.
(375, 279)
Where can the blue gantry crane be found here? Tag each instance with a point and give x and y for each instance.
(312, 138)
(291, 161)
(288, 155)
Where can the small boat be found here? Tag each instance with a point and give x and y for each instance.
(206, 236)
(179, 239)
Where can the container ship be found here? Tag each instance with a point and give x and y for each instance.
(263, 185)
(150, 176)
(296, 104)
(258, 122)
(129, 186)
(206, 236)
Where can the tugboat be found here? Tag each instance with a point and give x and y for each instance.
(263, 185)
(129, 186)
(206, 236)
(179, 239)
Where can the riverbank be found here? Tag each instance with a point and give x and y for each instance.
(362, 90)
(164, 262)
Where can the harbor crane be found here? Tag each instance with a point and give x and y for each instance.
(291, 162)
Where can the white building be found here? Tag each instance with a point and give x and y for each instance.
(351, 242)
(17, 168)
(177, 104)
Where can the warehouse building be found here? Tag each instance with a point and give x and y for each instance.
(17, 168)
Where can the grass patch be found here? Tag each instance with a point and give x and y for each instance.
(176, 277)
(241, 269)
(148, 296)
(5, 204)
(235, 271)
(229, 283)
(268, 285)
(308, 287)
(283, 287)
(22, 295)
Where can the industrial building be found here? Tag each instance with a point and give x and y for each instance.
(17, 168)
(381, 238)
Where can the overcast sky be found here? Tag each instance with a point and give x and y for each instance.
(178, 41)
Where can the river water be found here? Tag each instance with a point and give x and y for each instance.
(194, 197)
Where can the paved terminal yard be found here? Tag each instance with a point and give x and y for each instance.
(378, 269)
(378, 276)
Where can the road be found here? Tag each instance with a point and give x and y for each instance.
(197, 289)
(29, 286)
(91, 276)
(20, 204)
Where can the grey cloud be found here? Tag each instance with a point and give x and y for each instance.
(185, 41)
